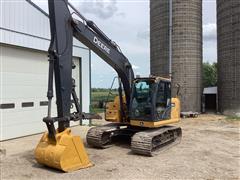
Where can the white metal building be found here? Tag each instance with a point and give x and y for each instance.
(24, 40)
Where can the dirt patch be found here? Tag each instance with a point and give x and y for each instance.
(209, 150)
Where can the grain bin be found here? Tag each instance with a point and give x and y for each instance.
(186, 47)
(228, 36)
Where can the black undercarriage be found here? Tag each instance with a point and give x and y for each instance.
(143, 141)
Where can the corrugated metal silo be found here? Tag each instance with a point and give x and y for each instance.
(228, 35)
(186, 47)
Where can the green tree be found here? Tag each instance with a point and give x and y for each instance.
(209, 74)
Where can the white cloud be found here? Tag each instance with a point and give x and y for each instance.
(135, 67)
(209, 42)
(133, 48)
(103, 9)
(144, 34)
(210, 32)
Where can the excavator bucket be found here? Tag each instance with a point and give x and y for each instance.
(66, 153)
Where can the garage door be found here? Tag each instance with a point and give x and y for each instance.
(24, 75)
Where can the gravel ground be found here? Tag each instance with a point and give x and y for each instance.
(210, 149)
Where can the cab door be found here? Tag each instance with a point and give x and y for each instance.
(163, 100)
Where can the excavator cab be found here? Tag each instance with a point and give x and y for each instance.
(151, 99)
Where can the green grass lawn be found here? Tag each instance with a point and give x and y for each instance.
(97, 110)
(233, 118)
(101, 96)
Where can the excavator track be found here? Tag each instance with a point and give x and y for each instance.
(101, 136)
(144, 142)
(151, 142)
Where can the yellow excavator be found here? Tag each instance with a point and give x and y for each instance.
(142, 111)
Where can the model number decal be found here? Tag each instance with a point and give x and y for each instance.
(101, 45)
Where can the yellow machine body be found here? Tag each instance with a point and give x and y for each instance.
(146, 118)
(113, 111)
(66, 153)
(113, 114)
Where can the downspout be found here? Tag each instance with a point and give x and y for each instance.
(90, 85)
(170, 39)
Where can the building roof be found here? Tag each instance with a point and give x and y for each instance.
(24, 25)
(210, 90)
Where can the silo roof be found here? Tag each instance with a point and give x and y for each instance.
(210, 90)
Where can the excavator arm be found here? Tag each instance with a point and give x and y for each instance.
(90, 36)
(63, 28)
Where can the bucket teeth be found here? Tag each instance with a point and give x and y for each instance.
(67, 153)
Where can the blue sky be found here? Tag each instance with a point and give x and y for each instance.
(127, 23)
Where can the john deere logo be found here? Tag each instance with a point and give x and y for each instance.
(101, 45)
